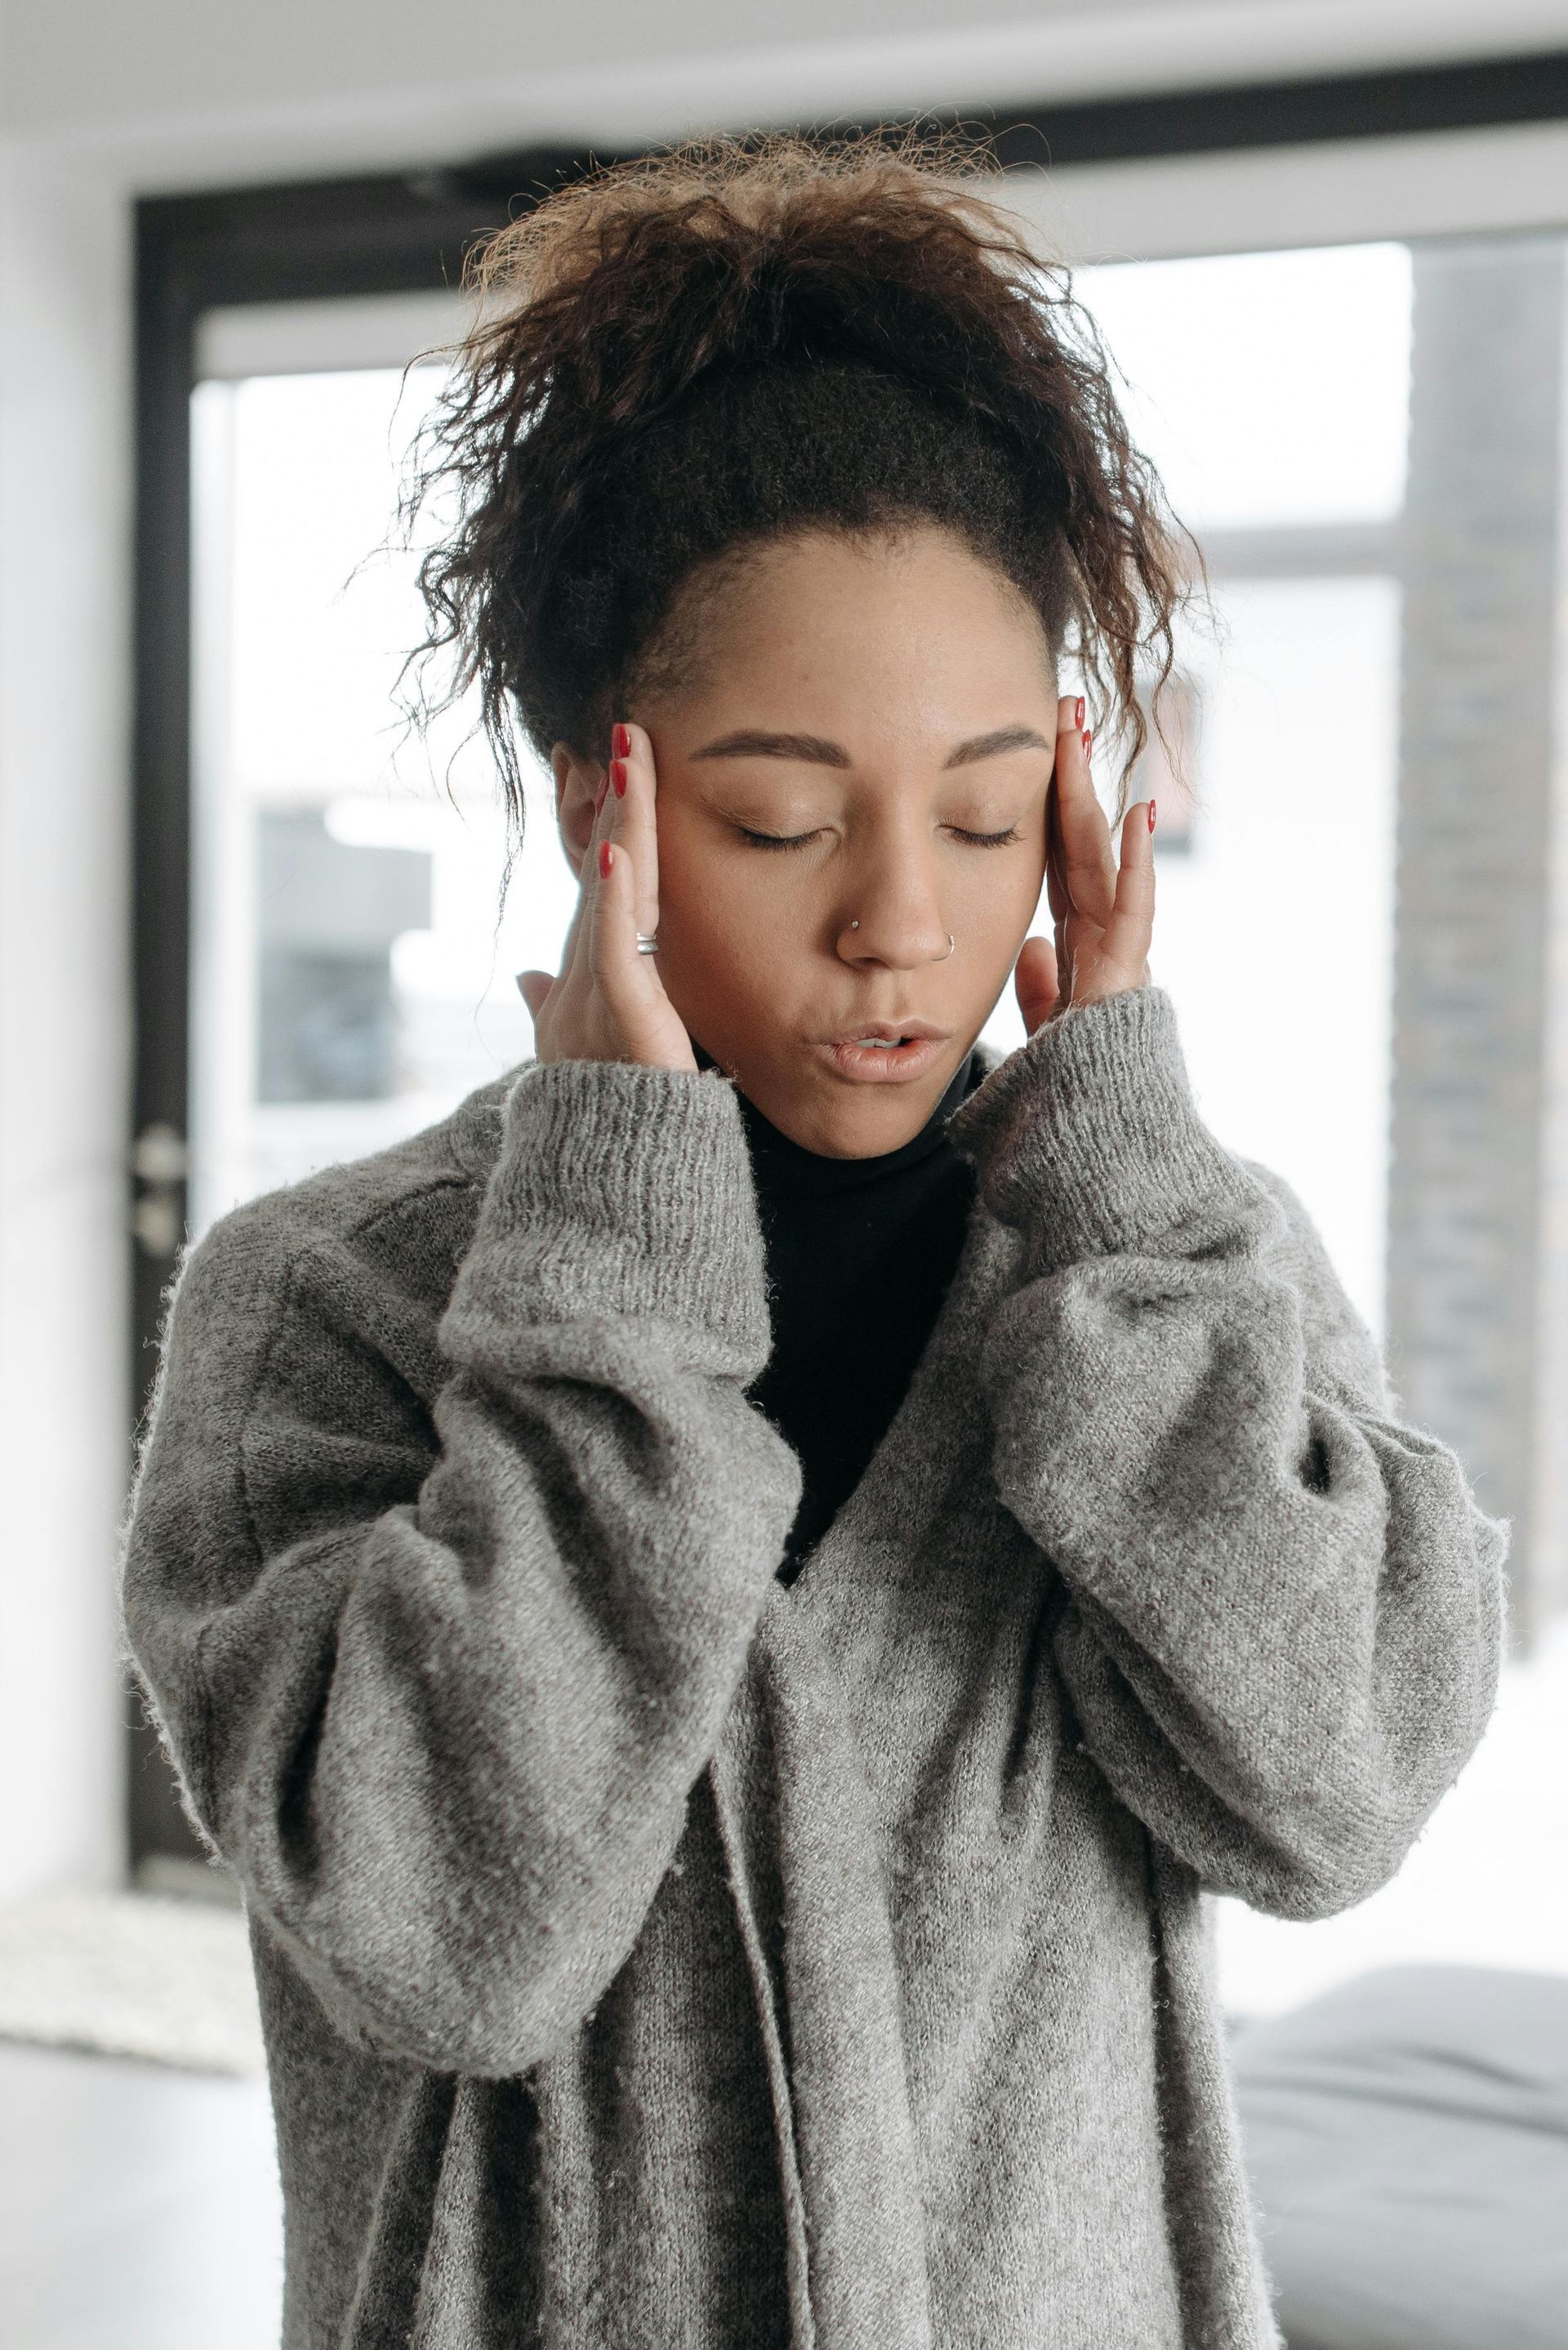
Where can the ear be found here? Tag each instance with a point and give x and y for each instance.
(577, 782)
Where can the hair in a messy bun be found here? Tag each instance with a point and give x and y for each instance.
(681, 358)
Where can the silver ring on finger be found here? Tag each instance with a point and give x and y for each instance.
(648, 943)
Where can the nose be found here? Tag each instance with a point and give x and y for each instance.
(897, 945)
(891, 914)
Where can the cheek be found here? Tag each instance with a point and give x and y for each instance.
(734, 931)
(995, 900)
(722, 891)
(717, 942)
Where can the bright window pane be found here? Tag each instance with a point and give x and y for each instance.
(1269, 388)
(1272, 389)
(1273, 932)
(352, 978)
(1275, 935)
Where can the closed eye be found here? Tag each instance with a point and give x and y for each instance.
(800, 839)
(776, 839)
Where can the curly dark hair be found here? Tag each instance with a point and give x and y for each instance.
(676, 359)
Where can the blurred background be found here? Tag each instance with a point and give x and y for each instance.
(251, 926)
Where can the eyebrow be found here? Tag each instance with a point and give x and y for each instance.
(1002, 738)
(756, 742)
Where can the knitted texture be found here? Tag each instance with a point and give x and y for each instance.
(653, 1955)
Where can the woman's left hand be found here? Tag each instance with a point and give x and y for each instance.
(1104, 911)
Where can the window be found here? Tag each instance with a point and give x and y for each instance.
(1272, 390)
(352, 973)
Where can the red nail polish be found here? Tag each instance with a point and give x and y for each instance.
(599, 794)
(620, 740)
(1088, 738)
(1078, 711)
(1151, 816)
(606, 853)
(618, 777)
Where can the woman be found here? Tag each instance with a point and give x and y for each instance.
(728, 1603)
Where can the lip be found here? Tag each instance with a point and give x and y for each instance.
(890, 1031)
(913, 1048)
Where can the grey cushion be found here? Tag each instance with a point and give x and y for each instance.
(1408, 2137)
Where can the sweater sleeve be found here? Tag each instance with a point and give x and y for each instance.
(437, 1678)
(1283, 1622)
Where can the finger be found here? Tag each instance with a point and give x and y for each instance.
(1060, 909)
(628, 981)
(1034, 982)
(1126, 941)
(634, 825)
(574, 948)
(533, 987)
(1088, 861)
(1055, 880)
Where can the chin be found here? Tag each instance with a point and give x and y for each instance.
(827, 1113)
(859, 1124)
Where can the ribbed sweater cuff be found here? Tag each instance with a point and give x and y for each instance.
(1087, 1137)
(625, 1190)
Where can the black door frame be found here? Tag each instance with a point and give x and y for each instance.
(401, 232)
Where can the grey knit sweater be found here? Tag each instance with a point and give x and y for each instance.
(653, 1956)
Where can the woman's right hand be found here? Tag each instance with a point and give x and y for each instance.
(609, 1002)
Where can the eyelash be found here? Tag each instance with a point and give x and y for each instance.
(802, 840)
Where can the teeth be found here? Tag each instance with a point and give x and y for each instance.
(880, 1044)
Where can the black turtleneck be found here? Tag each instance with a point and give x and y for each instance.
(861, 1252)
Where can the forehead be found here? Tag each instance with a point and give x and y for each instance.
(828, 620)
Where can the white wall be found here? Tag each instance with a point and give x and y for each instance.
(64, 1015)
(176, 90)
(100, 100)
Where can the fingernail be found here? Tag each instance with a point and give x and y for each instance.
(618, 777)
(1151, 816)
(620, 740)
(1088, 738)
(606, 853)
(1078, 711)
(599, 794)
